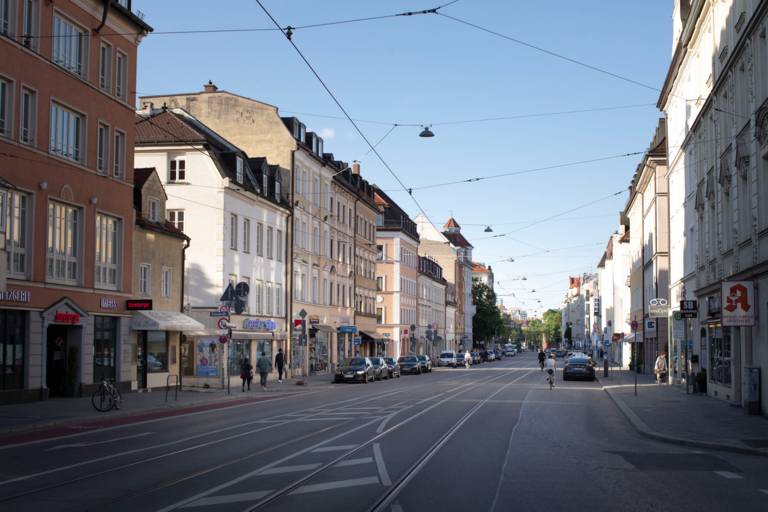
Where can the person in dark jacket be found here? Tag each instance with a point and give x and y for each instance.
(280, 364)
(263, 365)
(246, 373)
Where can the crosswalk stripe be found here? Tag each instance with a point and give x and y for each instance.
(339, 484)
(228, 498)
(290, 469)
(334, 448)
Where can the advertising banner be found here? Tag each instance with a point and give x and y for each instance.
(738, 303)
(207, 358)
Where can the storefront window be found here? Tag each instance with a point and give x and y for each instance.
(318, 353)
(12, 340)
(720, 354)
(239, 350)
(266, 347)
(157, 351)
(104, 347)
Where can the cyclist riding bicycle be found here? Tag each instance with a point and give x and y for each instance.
(542, 357)
(550, 365)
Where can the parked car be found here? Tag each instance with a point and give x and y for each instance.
(426, 363)
(490, 356)
(579, 367)
(560, 352)
(447, 358)
(499, 353)
(476, 358)
(409, 364)
(392, 367)
(380, 370)
(354, 369)
(510, 350)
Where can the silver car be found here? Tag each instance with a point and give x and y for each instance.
(447, 358)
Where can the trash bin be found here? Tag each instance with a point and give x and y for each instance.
(752, 389)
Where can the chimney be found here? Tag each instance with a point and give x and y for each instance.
(147, 107)
(210, 87)
(356, 168)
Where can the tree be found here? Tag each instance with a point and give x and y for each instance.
(487, 321)
(534, 331)
(552, 318)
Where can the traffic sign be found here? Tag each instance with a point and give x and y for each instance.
(222, 323)
(634, 325)
(242, 289)
(222, 339)
(229, 294)
(303, 314)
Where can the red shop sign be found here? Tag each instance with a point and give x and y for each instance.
(66, 318)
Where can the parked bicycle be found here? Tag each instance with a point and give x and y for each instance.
(107, 396)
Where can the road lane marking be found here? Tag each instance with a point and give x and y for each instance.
(339, 484)
(728, 474)
(353, 462)
(94, 443)
(335, 418)
(396, 507)
(291, 469)
(430, 398)
(334, 448)
(764, 491)
(387, 419)
(509, 449)
(228, 498)
(382, 468)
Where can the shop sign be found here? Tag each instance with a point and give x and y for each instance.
(253, 323)
(649, 326)
(108, 303)
(16, 296)
(738, 303)
(387, 335)
(357, 340)
(347, 329)
(64, 317)
(138, 305)
(297, 324)
(689, 309)
(314, 319)
(658, 308)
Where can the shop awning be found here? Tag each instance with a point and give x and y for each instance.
(164, 321)
(251, 335)
(323, 327)
(370, 336)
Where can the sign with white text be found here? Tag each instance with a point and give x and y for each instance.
(738, 303)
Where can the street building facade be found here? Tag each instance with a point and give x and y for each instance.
(431, 326)
(397, 273)
(612, 272)
(66, 129)
(235, 210)
(483, 274)
(718, 193)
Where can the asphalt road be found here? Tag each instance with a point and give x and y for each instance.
(491, 438)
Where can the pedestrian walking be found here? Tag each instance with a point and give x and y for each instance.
(280, 364)
(246, 373)
(660, 367)
(263, 365)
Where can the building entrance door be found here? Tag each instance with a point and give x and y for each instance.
(56, 360)
(141, 361)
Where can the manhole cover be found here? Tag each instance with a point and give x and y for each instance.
(756, 443)
(676, 462)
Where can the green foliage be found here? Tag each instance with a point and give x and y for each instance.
(487, 323)
(552, 319)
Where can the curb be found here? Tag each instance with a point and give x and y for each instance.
(646, 431)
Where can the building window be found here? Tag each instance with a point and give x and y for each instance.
(104, 347)
(67, 129)
(270, 236)
(176, 217)
(157, 351)
(7, 22)
(107, 251)
(6, 105)
(233, 232)
(278, 299)
(720, 354)
(279, 245)
(260, 239)
(239, 170)
(105, 67)
(316, 239)
(154, 210)
(246, 235)
(259, 294)
(121, 75)
(265, 183)
(69, 45)
(102, 148)
(381, 252)
(278, 187)
(379, 315)
(13, 340)
(31, 24)
(315, 287)
(28, 117)
(177, 170)
(119, 167)
(17, 233)
(145, 274)
(268, 300)
(380, 283)
(325, 291)
(63, 248)
(166, 282)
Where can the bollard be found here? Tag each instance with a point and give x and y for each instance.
(605, 367)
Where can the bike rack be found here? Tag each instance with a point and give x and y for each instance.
(175, 386)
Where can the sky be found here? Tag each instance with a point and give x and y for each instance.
(430, 69)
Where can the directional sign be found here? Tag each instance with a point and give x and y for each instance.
(219, 313)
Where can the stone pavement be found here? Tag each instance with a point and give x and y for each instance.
(667, 413)
(32, 416)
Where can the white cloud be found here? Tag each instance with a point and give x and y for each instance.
(328, 133)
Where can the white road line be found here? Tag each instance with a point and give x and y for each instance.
(335, 418)
(94, 443)
(764, 491)
(339, 484)
(396, 507)
(334, 448)
(506, 455)
(291, 469)
(353, 462)
(228, 498)
(430, 398)
(383, 475)
(728, 474)
(387, 419)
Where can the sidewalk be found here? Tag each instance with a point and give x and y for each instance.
(666, 413)
(78, 413)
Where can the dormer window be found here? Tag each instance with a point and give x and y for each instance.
(277, 189)
(265, 182)
(154, 209)
(239, 170)
(302, 132)
(319, 146)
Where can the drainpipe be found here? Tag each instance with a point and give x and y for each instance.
(104, 14)
(288, 292)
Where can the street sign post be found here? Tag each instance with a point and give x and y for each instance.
(658, 308)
